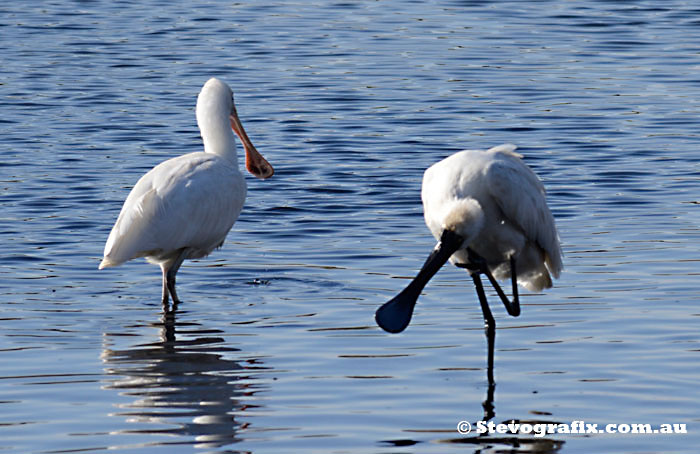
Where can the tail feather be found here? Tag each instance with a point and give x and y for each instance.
(554, 263)
(536, 280)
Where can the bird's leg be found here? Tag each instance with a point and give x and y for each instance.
(476, 266)
(164, 299)
(170, 282)
(479, 264)
(169, 272)
(513, 307)
(489, 325)
(174, 267)
(514, 283)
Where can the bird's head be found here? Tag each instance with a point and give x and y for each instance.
(463, 217)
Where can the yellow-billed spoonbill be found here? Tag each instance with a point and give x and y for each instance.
(184, 207)
(488, 211)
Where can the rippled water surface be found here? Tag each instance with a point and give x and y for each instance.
(274, 348)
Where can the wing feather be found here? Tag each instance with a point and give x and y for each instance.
(521, 196)
(189, 201)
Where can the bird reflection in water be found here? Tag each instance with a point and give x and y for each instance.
(181, 387)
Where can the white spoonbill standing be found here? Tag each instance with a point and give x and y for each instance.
(488, 211)
(184, 207)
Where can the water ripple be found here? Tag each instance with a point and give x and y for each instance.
(275, 347)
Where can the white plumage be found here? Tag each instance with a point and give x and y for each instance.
(497, 204)
(488, 211)
(184, 207)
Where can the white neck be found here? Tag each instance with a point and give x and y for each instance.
(217, 136)
(213, 110)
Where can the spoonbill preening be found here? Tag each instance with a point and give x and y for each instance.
(488, 211)
(184, 207)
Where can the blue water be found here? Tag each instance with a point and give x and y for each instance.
(274, 348)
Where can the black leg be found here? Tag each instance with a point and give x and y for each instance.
(489, 325)
(514, 283)
(476, 267)
(165, 298)
(490, 328)
(479, 264)
(171, 285)
(169, 277)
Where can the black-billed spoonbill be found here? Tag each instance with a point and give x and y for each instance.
(488, 211)
(184, 207)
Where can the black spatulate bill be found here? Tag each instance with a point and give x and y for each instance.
(395, 315)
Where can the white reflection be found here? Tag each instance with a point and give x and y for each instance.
(181, 388)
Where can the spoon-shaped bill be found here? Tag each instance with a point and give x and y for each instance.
(395, 315)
